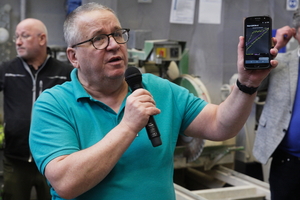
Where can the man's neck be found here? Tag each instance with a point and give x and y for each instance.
(37, 61)
(110, 95)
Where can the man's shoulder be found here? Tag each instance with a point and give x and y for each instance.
(12, 62)
(152, 78)
(58, 66)
(52, 60)
(288, 55)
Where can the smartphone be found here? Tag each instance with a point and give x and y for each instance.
(258, 42)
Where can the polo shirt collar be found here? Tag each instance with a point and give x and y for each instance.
(79, 91)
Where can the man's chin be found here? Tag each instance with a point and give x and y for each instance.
(117, 75)
(21, 54)
(24, 56)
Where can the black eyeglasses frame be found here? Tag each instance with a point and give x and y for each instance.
(112, 34)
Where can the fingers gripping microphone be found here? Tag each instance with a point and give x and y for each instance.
(133, 78)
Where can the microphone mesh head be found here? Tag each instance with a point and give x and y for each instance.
(133, 77)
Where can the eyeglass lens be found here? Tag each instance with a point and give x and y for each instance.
(101, 41)
(22, 37)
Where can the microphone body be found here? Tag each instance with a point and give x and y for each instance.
(133, 78)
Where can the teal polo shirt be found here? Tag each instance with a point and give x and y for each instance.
(66, 119)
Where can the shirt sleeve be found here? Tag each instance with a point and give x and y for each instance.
(51, 133)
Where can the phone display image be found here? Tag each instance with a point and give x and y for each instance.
(258, 34)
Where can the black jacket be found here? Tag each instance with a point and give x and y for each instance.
(20, 90)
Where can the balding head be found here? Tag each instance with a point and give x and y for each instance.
(35, 25)
(31, 41)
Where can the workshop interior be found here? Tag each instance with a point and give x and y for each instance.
(196, 54)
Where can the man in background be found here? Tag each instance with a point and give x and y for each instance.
(278, 133)
(22, 80)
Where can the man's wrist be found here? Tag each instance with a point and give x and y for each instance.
(246, 89)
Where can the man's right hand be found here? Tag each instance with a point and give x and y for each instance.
(283, 36)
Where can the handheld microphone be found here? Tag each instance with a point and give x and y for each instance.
(133, 78)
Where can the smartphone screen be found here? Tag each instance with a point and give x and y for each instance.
(258, 42)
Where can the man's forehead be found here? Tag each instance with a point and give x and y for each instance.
(97, 15)
(98, 21)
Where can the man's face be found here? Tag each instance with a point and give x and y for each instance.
(97, 65)
(26, 40)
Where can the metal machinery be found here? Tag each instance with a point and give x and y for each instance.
(202, 169)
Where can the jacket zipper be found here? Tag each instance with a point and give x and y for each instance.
(34, 79)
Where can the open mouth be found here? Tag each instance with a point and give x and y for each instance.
(115, 59)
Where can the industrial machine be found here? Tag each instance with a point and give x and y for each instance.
(167, 59)
(202, 169)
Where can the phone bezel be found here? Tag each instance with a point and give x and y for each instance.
(253, 20)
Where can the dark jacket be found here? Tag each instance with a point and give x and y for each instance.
(20, 90)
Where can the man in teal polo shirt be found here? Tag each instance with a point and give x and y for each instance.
(88, 137)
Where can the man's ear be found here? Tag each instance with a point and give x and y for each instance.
(71, 53)
(43, 39)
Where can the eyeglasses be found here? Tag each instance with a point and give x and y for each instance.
(22, 37)
(101, 41)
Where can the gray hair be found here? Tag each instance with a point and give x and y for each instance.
(71, 32)
(296, 19)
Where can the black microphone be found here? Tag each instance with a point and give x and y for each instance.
(133, 78)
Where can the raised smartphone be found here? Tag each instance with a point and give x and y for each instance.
(258, 42)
